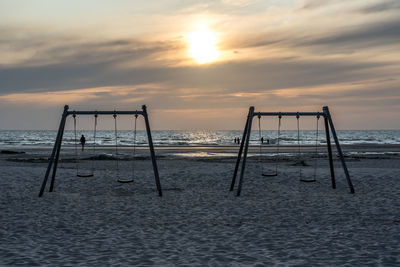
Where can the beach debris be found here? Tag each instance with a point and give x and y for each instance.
(11, 152)
(102, 157)
(28, 160)
(301, 163)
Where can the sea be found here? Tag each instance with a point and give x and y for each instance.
(46, 138)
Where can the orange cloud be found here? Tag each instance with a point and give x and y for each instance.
(74, 96)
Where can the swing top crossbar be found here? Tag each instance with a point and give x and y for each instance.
(102, 112)
(289, 114)
(142, 112)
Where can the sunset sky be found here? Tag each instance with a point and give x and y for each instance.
(200, 64)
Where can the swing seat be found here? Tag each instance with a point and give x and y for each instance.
(125, 181)
(85, 175)
(269, 174)
(307, 180)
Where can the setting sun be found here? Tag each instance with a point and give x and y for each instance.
(203, 45)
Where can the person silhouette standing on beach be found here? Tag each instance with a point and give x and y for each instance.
(83, 141)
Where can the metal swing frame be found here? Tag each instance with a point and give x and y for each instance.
(329, 127)
(55, 154)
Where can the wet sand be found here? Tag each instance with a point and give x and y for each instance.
(277, 220)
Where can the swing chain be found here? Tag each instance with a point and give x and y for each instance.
(299, 144)
(134, 147)
(75, 144)
(260, 146)
(278, 143)
(94, 141)
(116, 143)
(316, 149)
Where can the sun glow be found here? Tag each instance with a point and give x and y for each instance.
(203, 45)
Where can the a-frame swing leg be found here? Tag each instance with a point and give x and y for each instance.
(53, 176)
(53, 153)
(152, 153)
(246, 149)
(339, 149)
(329, 146)
(239, 156)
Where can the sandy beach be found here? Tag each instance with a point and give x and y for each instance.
(278, 221)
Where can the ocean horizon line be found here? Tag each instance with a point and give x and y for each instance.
(153, 130)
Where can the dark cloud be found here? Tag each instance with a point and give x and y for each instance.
(66, 63)
(367, 35)
(351, 39)
(266, 75)
(389, 5)
(257, 40)
(333, 40)
(240, 76)
(67, 76)
(313, 4)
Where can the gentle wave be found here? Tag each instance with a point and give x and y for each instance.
(20, 138)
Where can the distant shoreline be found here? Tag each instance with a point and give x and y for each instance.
(208, 151)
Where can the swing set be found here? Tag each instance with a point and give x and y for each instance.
(54, 158)
(329, 127)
